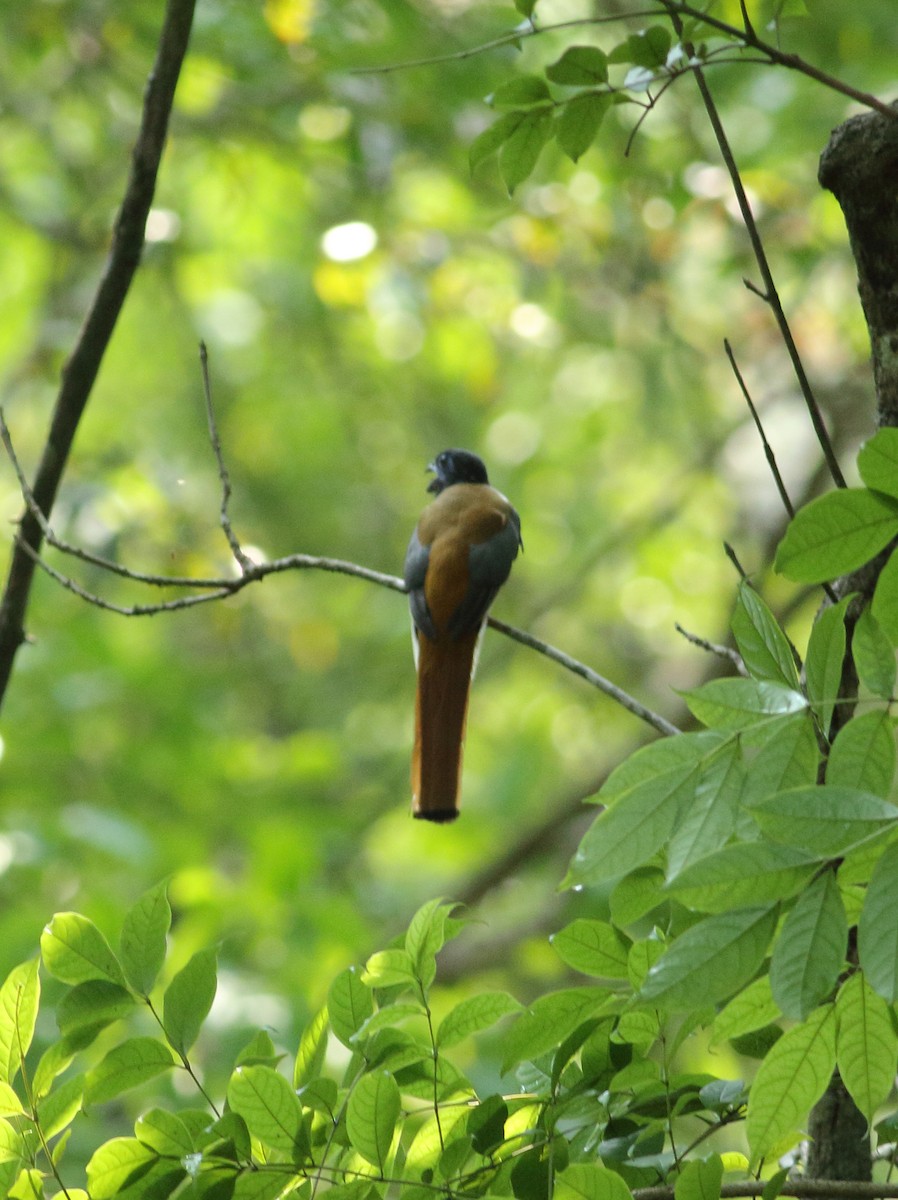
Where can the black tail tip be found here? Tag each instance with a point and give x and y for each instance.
(439, 816)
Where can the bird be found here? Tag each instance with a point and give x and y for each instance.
(459, 556)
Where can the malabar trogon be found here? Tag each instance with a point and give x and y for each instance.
(459, 556)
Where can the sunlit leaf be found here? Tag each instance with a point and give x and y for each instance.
(878, 461)
(127, 1065)
(549, 1020)
(142, 941)
(188, 998)
(270, 1108)
(741, 703)
(74, 950)
(474, 1014)
(700, 1179)
(866, 1044)
(836, 533)
(19, 1001)
(372, 1115)
(115, 1164)
(824, 661)
(764, 647)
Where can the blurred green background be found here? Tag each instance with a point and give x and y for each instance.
(366, 303)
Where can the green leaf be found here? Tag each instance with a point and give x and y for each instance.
(55, 1059)
(825, 657)
(494, 136)
(878, 462)
(866, 1044)
(312, 1049)
(877, 929)
(74, 950)
(581, 116)
(648, 48)
(19, 1003)
(188, 998)
(835, 534)
(116, 1164)
(764, 647)
(89, 1008)
(486, 1124)
(525, 7)
(425, 938)
(635, 895)
(709, 820)
(743, 875)
(349, 1005)
(142, 941)
(165, 1133)
(580, 66)
(590, 1181)
(58, 1110)
(259, 1049)
(548, 1021)
(473, 1015)
(734, 704)
(519, 153)
(790, 1080)
(863, 754)
(700, 1179)
(874, 656)
(387, 968)
(593, 948)
(271, 1110)
(753, 1008)
(10, 1104)
(524, 91)
(711, 959)
(127, 1065)
(810, 951)
(825, 820)
(885, 599)
(372, 1115)
(788, 758)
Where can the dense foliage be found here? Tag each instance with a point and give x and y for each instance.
(366, 300)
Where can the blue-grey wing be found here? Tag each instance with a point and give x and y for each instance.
(489, 565)
(416, 559)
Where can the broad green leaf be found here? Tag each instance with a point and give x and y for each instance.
(579, 66)
(863, 754)
(142, 941)
(734, 704)
(260, 1185)
(548, 1021)
(637, 824)
(648, 48)
(10, 1104)
(74, 950)
(764, 647)
(593, 948)
(866, 1044)
(165, 1133)
(312, 1049)
(523, 91)
(433, 1138)
(825, 656)
(788, 758)
(271, 1110)
(259, 1049)
(753, 1008)
(810, 950)
(58, 1110)
(878, 461)
(590, 1181)
(700, 1179)
(709, 820)
(642, 957)
(525, 7)
(877, 930)
(490, 139)
(711, 959)
(188, 998)
(874, 655)
(486, 1123)
(19, 1002)
(742, 875)
(473, 1015)
(389, 1016)
(426, 936)
(127, 1065)
(372, 1115)
(90, 1007)
(825, 820)
(520, 151)
(349, 1005)
(581, 116)
(12, 1145)
(835, 534)
(790, 1080)
(386, 968)
(885, 599)
(55, 1059)
(635, 895)
(115, 1164)
(659, 761)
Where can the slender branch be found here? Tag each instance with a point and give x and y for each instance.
(802, 1189)
(224, 520)
(81, 370)
(768, 449)
(727, 652)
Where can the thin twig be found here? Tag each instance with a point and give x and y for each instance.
(726, 652)
(225, 521)
(731, 555)
(81, 369)
(768, 449)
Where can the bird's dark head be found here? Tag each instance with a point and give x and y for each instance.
(456, 466)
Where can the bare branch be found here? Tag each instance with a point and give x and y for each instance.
(768, 450)
(727, 652)
(81, 368)
(224, 519)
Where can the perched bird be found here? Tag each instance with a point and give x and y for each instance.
(459, 556)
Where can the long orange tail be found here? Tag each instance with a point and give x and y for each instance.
(441, 708)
